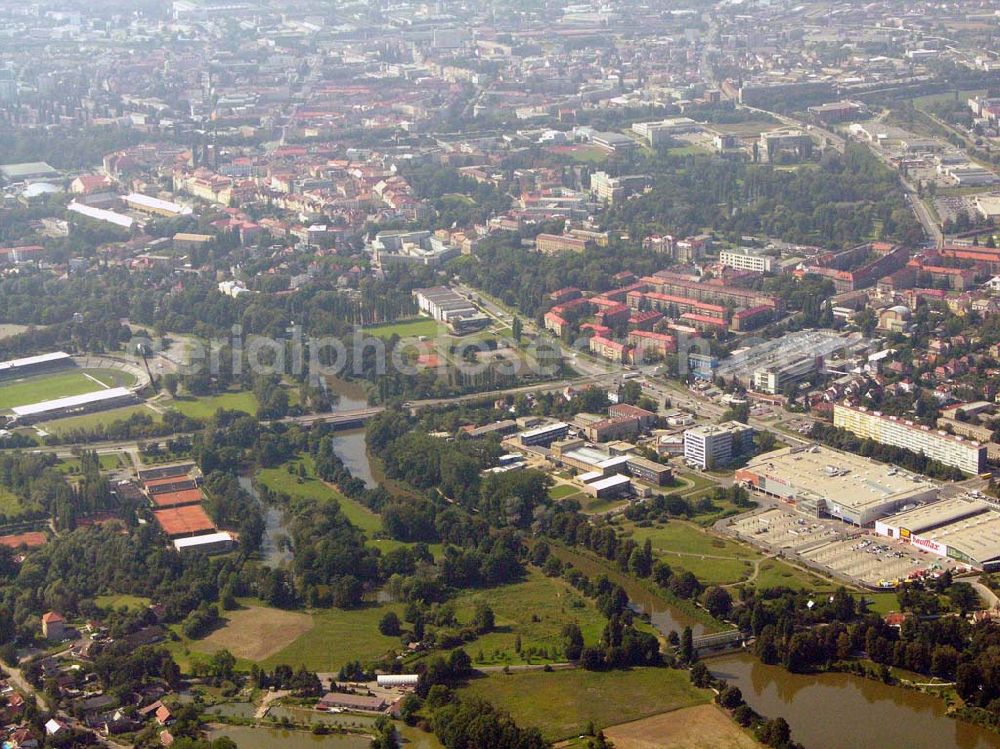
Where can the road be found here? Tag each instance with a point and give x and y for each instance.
(579, 360)
(16, 677)
(989, 597)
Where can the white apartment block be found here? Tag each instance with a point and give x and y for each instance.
(966, 455)
(745, 260)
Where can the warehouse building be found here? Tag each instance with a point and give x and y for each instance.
(823, 481)
(74, 405)
(209, 543)
(948, 449)
(609, 487)
(955, 528)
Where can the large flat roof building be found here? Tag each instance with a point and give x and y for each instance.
(31, 364)
(98, 400)
(948, 449)
(843, 485)
(957, 528)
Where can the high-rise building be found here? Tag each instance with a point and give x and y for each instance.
(951, 450)
(716, 445)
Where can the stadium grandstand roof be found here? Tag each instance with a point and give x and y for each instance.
(30, 361)
(71, 402)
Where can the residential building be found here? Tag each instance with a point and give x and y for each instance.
(746, 259)
(617, 352)
(551, 244)
(648, 344)
(53, 626)
(951, 450)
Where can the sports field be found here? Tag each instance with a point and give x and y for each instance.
(27, 390)
(421, 326)
(561, 703)
(255, 632)
(8, 330)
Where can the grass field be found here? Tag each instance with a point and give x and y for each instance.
(204, 407)
(534, 610)
(882, 603)
(775, 573)
(562, 703)
(421, 326)
(700, 727)
(337, 637)
(10, 504)
(108, 462)
(280, 480)
(8, 330)
(89, 421)
(132, 603)
(686, 546)
(61, 384)
(255, 633)
(561, 491)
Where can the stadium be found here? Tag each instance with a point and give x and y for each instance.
(51, 386)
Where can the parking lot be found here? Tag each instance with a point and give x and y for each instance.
(780, 530)
(837, 549)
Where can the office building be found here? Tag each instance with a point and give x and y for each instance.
(774, 379)
(711, 446)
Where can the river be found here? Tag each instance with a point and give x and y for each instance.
(349, 446)
(842, 711)
(273, 547)
(662, 615)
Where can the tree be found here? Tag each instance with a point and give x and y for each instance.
(572, 641)
(777, 733)
(390, 625)
(718, 601)
(516, 328)
(731, 697)
(483, 620)
(687, 646)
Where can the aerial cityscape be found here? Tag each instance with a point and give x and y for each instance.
(519, 374)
